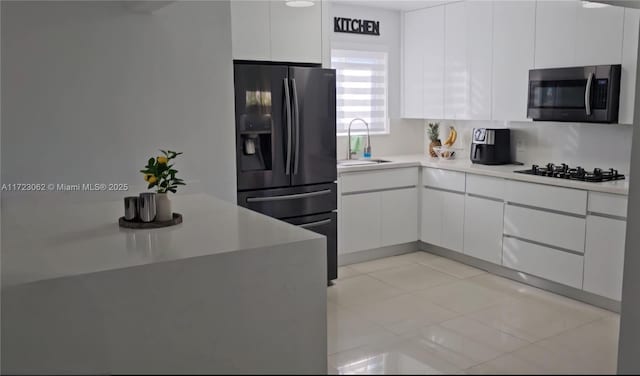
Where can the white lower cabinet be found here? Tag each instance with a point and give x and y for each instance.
(399, 216)
(483, 226)
(377, 209)
(519, 225)
(604, 256)
(544, 262)
(431, 216)
(442, 218)
(360, 221)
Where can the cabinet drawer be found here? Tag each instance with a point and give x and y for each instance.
(485, 186)
(558, 230)
(605, 203)
(548, 263)
(381, 179)
(547, 197)
(443, 179)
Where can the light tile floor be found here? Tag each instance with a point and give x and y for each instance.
(420, 313)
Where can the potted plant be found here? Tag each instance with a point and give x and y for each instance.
(434, 136)
(159, 173)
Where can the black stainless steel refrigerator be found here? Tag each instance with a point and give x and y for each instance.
(286, 146)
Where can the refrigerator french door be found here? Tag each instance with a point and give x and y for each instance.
(286, 146)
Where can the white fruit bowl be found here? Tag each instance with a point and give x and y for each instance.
(447, 153)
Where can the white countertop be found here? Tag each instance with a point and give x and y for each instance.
(504, 171)
(58, 240)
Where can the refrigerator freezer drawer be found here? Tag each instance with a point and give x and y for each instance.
(327, 225)
(291, 202)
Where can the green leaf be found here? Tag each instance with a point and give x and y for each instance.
(179, 183)
(151, 161)
(172, 190)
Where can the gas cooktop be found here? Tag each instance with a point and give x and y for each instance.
(563, 171)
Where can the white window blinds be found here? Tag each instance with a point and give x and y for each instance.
(361, 87)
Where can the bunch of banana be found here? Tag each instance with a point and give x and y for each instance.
(453, 136)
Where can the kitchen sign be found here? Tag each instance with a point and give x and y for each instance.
(356, 26)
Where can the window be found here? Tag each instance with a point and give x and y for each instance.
(361, 90)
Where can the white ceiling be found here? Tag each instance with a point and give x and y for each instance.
(403, 5)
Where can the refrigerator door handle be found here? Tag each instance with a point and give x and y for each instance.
(287, 102)
(296, 121)
(290, 197)
(315, 224)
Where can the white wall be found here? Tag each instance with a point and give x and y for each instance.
(586, 145)
(93, 89)
(405, 135)
(629, 340)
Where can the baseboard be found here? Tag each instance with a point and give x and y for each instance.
(376, 253)
(541, 283)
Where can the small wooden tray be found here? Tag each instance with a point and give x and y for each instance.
(137, 224)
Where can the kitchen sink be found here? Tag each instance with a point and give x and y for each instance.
(360, 162)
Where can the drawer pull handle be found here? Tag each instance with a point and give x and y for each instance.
(315, 224)
(290, 197)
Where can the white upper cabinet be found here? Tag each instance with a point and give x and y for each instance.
(456, 74)
(479, 50)
(556, 31)
(271, 30)
(250, 30)
(296, 33)
(470, 60)
(433, 62)
(468, 46)
(599, 35)
(423, 64)
(629, 61)
(513, 54)
(412, 73)
(570, 34)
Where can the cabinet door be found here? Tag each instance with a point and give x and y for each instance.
(431, 218)
(296, 33)
(629, 62)
(250, 30)
(599, 35)
(412, 95)
(513, 54)
(483, 228)
(604, 256)
(399, 216)
(360, 222)
(453, 220)
(456, 73)
(479, 16)
(556, 33)
(433, 49)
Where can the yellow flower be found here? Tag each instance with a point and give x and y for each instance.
(152, 179)
(146, 177)
(162, 160)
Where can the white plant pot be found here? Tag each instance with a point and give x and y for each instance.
(163, 207)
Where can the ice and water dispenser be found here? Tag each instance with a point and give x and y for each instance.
(255, 128)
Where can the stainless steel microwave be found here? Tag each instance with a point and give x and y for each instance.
(588, 94)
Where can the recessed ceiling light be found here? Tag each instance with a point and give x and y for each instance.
(299, 3)
(589, 4)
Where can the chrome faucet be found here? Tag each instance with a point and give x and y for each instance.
(367, 148)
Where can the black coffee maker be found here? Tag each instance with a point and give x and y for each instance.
(491, 146)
